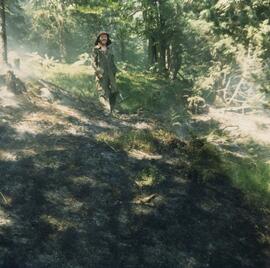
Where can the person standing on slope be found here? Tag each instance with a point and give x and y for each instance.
(105, 71)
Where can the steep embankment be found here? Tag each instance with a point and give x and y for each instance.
(81, 189)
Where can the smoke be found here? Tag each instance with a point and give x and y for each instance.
(25, 64)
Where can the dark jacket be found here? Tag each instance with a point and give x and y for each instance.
(103, 62)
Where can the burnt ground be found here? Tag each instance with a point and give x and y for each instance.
(70, 200)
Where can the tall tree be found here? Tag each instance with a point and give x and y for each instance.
(51, 19)
(162, 28)
(3, 34)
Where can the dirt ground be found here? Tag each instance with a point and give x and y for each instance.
(70, 200)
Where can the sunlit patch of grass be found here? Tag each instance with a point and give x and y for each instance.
(81, 85)
(163, 136)
(57, 223)
(149, 177)
(148, 141)
(139, 90)
(69, 69)
(110, 138)
(252, 176)
(7, 155)
(128, 140)
(139, 140)
(77, 80)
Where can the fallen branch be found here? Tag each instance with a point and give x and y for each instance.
(53, 88)
(110, 147)
(50, 85)
(145, 200)
(236, 91)
(240, 101)
(232, 126)
(226, 88)
(5, 200)
(231, 109)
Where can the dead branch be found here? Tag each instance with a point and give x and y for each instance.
(50, 85)
(5, 200)
(231, 126)
(226, 88)
(236, 91)
(13, 83)
(233, 109)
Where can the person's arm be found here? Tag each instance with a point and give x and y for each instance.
(95, 63)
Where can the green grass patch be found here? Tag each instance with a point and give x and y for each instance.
(76, 80)
(135, 139)
(148, 177)
(81, 85)
(145, 140)
(249, 174)
(149, 93)
(140, 91)
(252, 176)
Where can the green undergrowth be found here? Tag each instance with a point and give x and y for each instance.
(76, 80)
(142, 92)
(149, 177)
(207, 164)
(248, 174)
(150, 93)
(252, 176)
(79, 85)
(145, 140)
(140, 140)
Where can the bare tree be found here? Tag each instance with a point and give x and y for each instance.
(3, 34)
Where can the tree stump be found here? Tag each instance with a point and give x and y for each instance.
(11, 81)
(14, 84)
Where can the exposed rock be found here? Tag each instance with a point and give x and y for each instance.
(46, 94)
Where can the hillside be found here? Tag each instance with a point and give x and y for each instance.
(80, 188)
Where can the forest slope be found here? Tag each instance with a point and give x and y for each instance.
(82, 189)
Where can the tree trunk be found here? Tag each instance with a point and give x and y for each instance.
(61, 28)
(168, 58)
(3, 34)
(62, 47)
(148, 17)
(175, 60)
(162, 40)
(162, 57)
(152, 51)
